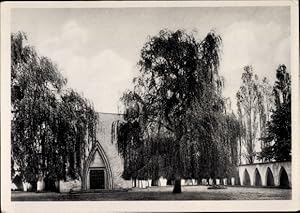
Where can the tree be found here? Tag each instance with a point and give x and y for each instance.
(174, 115)
(266, 103)
(248, 102)
(49, 124)
(278, 135)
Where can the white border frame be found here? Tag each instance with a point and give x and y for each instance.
(142, 206)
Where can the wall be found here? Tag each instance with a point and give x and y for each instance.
(109, 147)
(275, 168)
(67, 186)
(115, 160)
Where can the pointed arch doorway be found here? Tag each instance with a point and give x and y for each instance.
(269, 177)
(283, 178)
(98, 173)
(257, 178)
(246, 180)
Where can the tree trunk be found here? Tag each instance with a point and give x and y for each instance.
(178, 175)
(177, 186)
(214, 181)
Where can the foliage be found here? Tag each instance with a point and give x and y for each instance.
(50, 124)
(174, 120)
(278, 136)
(266, 104)
(249, 101)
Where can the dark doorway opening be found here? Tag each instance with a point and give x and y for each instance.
(97, 179)
(246, 180)
(257, 178)
(284, 179)
(270, 178)
(169, 182)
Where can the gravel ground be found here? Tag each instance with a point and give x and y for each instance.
(163, 193)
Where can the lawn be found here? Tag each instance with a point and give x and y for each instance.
(162, 193)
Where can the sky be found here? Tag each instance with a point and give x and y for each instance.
(97, 49)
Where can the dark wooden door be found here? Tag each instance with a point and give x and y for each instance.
(97, 180)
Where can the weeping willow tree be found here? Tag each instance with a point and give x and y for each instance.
(174, 120)
(50, 124)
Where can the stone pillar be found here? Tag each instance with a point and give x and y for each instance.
(40, 186)
(149, 182)
(142, 184)
(189, 182)
(217, 181)
(232, 181)
(62, 187)
(162, 181)
(165, 181)
(26, 186)
(210, 182)
(145, 183)
(194, 182)
(182, 182)
(225, 181)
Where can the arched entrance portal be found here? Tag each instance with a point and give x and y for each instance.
(284, 179)
(98, 173)
(246, 180)
(270, 178)
(257, 178)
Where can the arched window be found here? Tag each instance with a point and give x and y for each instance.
(270, 178)
(246, 180)
(283, 178)
(257, 178)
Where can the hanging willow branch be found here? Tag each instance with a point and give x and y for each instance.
(175, 122)
(51, 125)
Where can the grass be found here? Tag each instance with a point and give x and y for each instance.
(162, 193)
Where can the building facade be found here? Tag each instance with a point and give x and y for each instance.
(102, 165)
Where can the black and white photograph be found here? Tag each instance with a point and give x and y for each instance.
(149, 103)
